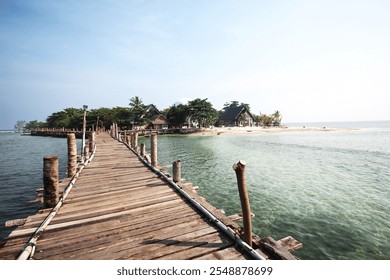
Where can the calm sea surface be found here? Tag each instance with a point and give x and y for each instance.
(330, 190)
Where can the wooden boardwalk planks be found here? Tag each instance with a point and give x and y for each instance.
(119, 209)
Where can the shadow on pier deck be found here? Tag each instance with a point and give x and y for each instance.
(120, 209)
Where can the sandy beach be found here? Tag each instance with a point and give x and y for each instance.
(263, 130)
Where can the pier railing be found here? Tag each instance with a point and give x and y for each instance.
(244, 237)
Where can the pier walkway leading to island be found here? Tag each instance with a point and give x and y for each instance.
(121, 208)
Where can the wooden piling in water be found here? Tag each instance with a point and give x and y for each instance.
(239, 168)
(136, 141)
(86, 153)
(132, 140)
(75, 233)
(72, 154)
(50, 181)
(153, 149)
(116, 131)
(143, 153)
(176, 171)
(91, 141)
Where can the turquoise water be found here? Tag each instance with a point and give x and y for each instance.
(330, 190)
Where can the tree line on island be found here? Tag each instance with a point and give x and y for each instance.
(196, 113)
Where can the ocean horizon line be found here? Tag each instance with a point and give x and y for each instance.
(314, 123)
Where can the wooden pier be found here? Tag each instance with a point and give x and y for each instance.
(120, 208)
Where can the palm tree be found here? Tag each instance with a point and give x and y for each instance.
(136, 103)
(276, 118)
(137, 110)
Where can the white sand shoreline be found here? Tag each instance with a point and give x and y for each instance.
(263, 130)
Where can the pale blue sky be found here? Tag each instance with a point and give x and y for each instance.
(311, 60)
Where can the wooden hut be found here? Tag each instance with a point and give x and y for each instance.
(237, 116)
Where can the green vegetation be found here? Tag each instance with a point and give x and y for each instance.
(198, 112)
(137, 112)
(202, 112)
(177, 115)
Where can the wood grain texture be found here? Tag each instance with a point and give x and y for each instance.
(120, 209)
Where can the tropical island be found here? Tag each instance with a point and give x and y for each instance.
(198, 113)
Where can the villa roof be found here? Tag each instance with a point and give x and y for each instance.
(159, 119)
(231, 114)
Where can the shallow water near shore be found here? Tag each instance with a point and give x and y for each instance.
(330, 190)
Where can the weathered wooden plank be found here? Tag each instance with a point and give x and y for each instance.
(213, 242)
(117, 239)
(159, 247)
(106, 226)
(97, 213)
(121, 197)
(16, 222)
(119, 209)
(134, 242)
(230, 253)
(277, 249)
(290, 244)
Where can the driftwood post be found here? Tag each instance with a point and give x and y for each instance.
(153, 149)
(50, 181)
(239, 168)
(72, 154)
(176, 171)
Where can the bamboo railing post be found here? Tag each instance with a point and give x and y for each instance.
(50, 181)
(176, 170)
(239, 168)
(153, 149)
(72, 154)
